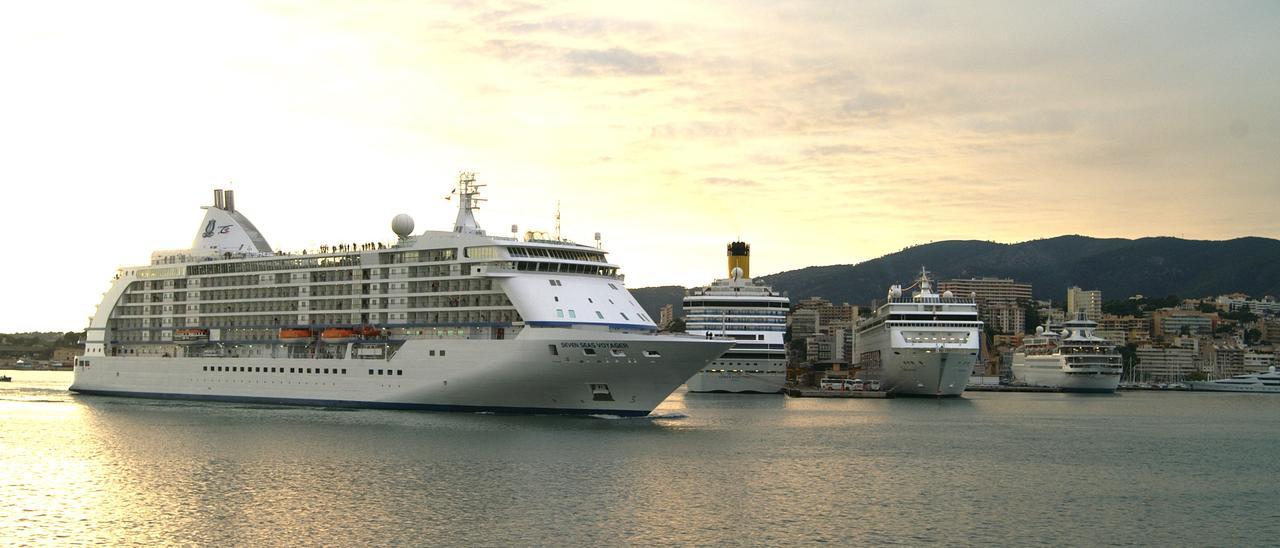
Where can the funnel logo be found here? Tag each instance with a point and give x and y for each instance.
(212, 227)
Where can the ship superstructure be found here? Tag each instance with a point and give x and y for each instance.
(753, 315)
(924, 345)
(1071, 357)
(450, 320)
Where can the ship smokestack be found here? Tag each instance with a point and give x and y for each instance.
(740, 257)
(230, 198)
(217, 198)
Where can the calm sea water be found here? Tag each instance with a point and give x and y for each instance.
(1047, 469)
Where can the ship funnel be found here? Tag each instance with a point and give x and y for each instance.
(217, 198)
(230, 198)
(740, 257)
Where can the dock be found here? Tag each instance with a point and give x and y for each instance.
(810, 392)
(1009, 388)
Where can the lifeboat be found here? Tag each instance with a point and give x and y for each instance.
(189, 335)
(369, 332)
(338, 335)
(295, 335)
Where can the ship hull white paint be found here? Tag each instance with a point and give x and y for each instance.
(768, 382)
(1048, 372)
(512, 375)
(917, 372)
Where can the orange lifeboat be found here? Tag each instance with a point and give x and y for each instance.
(369, 331)
(295, 335)
(190, 335)
(337, 335)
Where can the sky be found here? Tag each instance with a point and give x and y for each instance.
(820, 132)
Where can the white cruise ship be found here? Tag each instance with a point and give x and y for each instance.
(922, 345)
(750, 313)
(1267, 382)
(1071, 357)
(456, 320)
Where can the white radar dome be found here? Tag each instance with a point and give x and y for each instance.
(895, 291)
(1039, 330)
(402, 225)
(948, 294)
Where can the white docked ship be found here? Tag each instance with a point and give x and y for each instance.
(456, 320)
(923, 345)
(1266, 382)
(754, 316)
(1071, 357)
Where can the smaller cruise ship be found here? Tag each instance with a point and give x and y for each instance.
(1071, 357)
(922, 345)
(1268, 382)
(754, 316)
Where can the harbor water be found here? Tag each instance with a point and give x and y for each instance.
(1139, 468)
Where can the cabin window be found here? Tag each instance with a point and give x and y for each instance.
(554, 351)
(572, 314)
(652, 354)
(559, 313)
(589, 351)
(599, 315)
(624, 316)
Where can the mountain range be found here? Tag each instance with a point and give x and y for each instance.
(1121, 268)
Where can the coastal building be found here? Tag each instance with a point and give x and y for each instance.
(1167, 363)
(804, 323)
(1124, 329)
(666, 315)
(1258, 361)
(1089, 302)
(1267, 306)
(1168, 323)
(1001, 302)
(1227, 360)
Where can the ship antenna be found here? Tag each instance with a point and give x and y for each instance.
(468, 201)
(557, 220)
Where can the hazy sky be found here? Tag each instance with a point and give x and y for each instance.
(822, 133)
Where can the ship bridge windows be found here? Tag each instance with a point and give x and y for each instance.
(566, 268)
(483, 252)
(551, 253)
(418, 256)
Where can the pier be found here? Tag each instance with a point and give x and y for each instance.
(811, 392)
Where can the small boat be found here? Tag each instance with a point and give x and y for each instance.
(5, 378)
(337, 335)
(295, 335)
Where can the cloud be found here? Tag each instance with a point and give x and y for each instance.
(727, 182)
(612, 61)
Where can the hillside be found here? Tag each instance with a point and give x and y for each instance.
(1119, 267)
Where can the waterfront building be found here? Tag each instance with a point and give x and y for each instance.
(1089, 302)
(1001, 301)
(1169, 322)
(1167, 363)
(804, 323)
(1227, 360)
(1258, 361)
(666, 315)
(1267, 306)
(1124, 329)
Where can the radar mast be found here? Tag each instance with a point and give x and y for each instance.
(468, 192)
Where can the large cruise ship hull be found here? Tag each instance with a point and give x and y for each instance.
(917, 372)
(517, 376)
(1053, 376)
(769, 382)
